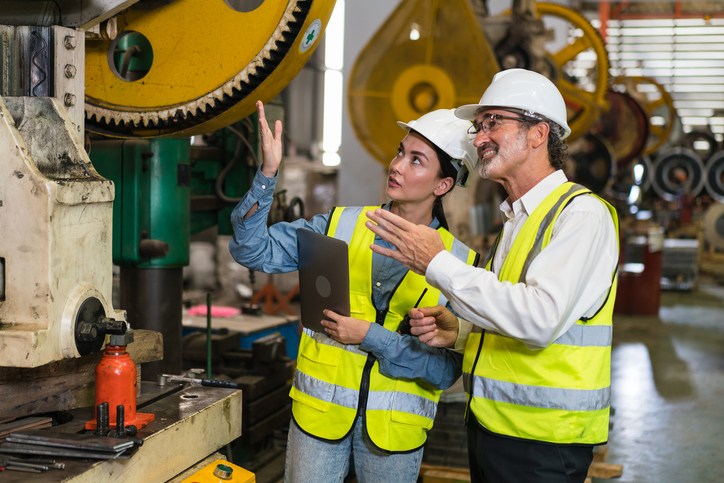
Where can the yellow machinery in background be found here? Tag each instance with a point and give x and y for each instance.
(427, 55)
(431, 54)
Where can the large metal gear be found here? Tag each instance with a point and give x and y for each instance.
(578, 66)
(657, 103)
(174, 70)
(625, 125)
(419, 60)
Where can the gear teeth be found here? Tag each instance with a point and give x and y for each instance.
(110, 121)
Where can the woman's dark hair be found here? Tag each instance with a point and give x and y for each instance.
(447, 170)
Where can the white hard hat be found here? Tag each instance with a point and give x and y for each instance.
(525, 90)
(449, 133)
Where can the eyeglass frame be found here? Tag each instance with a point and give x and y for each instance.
(476, 128)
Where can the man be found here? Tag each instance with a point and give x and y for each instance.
(537, 356)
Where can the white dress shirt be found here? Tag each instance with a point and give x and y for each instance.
(569, 279)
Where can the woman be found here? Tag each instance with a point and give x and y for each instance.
(347, 406)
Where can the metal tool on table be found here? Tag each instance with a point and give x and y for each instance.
(29, 466)
(162, 379)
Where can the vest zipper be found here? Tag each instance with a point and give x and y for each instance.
(364, 387)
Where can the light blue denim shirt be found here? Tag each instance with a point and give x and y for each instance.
(273, 249)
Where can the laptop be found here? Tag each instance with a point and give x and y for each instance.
(323, 277)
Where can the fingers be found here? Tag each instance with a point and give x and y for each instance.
(264, 125)
(334, 316)
(330, 328)
(428, 336)
(420, 327)
(388, 252)
(381, 226)
(434, 311)
(389, 220)
(262, 116)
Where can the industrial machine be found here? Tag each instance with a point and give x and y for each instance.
(130, 82)
(145, 69)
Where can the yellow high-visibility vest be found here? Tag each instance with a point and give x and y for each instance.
(334, 382)
(558, 394)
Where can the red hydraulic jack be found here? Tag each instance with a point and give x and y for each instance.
(116, 390)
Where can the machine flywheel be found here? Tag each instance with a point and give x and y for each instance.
(183, 67)
(656, 102)
(418, 61)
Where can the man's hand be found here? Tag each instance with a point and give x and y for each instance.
(435, 326)
(346, 330)
(416, 245)
(271, 143)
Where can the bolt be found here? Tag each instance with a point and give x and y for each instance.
(69, 99)
(69, 42)
(70, 71)
(109, 29)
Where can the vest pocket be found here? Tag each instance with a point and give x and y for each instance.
(412, 410)
(408, 419)
(314, 380)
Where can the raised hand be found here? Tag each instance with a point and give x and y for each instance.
(271, 143)
(435, 326)
(416, 245)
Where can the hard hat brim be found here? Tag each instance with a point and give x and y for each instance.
(404, 125)
(467, 111)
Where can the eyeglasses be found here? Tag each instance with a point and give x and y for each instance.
(490, 123)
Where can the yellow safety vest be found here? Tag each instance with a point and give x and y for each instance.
(559, 394)
(333, 382)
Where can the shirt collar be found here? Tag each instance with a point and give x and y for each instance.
(535, 196)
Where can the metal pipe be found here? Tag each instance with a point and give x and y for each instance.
(153, 298)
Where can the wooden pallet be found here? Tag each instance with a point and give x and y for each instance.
(600, 469)
(443, 474)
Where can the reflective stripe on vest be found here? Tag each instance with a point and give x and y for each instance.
(559, 394)
(328, 382)
(377, 400)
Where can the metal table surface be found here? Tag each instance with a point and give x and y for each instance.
(191, 423)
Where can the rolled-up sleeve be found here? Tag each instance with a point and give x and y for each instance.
(405, 357)
(265, 249)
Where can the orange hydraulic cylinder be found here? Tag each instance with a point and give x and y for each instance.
(116, 384)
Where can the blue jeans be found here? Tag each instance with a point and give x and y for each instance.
(313, 460)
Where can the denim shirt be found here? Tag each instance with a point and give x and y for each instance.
(273, 249)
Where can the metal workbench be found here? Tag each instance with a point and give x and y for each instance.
(191, 423)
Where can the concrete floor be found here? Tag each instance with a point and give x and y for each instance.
(668, 390)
